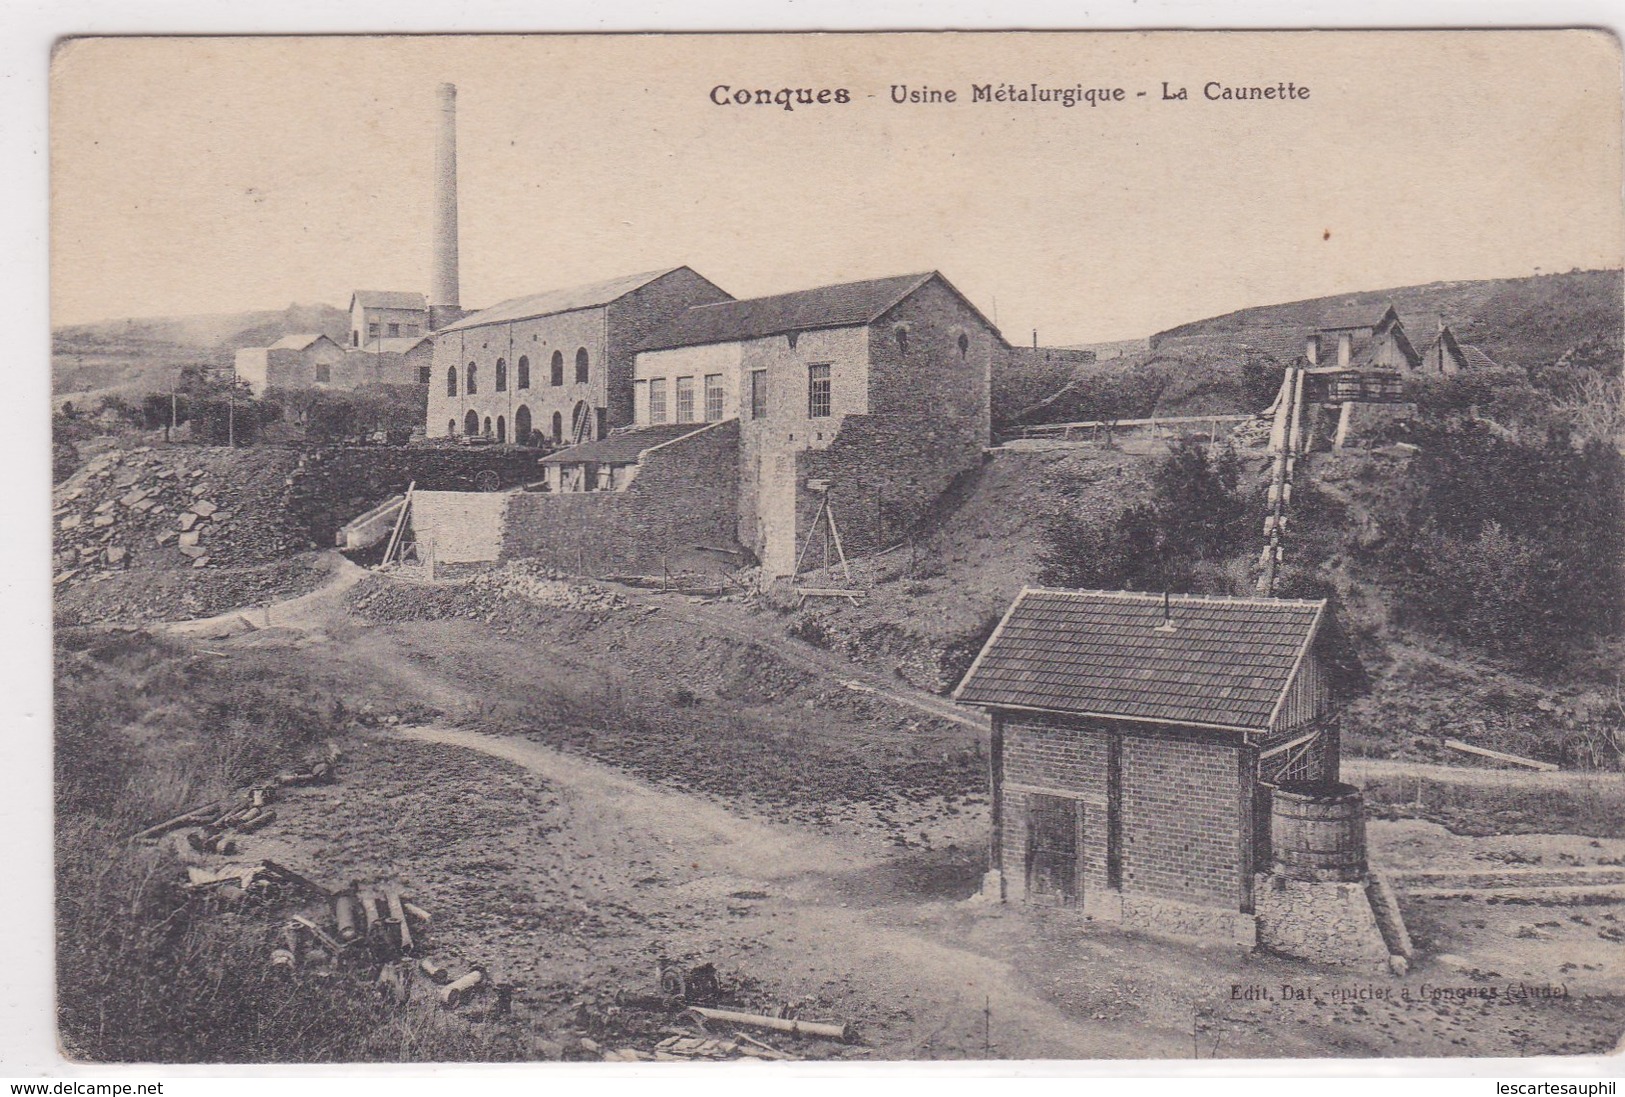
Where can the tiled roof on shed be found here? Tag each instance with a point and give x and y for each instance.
(625, 447)
(390, 299)
(559, 300)
(1226, 662)
(847, 305)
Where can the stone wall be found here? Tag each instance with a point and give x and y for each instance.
(459, 527)
(684, 496)
(335, 484)
(1170, 918)
(1323, 922)
(928, 420)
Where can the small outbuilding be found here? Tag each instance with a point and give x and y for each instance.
(1136, 741)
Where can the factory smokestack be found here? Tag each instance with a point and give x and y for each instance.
(444, 306)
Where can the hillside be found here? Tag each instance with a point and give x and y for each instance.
(1541, 326)
(140, 355)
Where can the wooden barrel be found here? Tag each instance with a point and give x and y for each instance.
(1317, 831)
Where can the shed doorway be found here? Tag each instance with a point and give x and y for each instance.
(1054, 839)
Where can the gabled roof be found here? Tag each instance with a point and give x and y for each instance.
(850, 304)
(1477, 359)
(302, 341)
(1355, 316)
(393, 344)
(1226, 663)
(555, 301)
(626, 447)
(388, 299)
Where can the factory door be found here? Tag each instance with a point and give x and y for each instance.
(1054, 839)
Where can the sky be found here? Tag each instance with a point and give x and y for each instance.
(198, 175)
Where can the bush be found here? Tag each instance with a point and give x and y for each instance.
(1178, 539)
(1516, 550)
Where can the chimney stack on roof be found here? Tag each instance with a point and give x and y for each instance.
(444, 305)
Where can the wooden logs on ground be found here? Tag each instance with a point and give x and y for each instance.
(458, 991)
(344, 917)
(397, 914)
(778, 1024)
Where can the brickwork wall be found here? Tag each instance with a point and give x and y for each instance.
(1054, 756)
(1182, 819)
(684, 495)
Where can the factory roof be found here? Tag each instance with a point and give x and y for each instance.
(555, 301)
(849, 304)
(301, 341)
(393, 344)
(1211, 662)
(388, 299)
(624, 447)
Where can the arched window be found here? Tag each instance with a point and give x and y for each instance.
(488, 426)
(471, 423)
(502, 375)
(451, 382)
(521, 420)
(523, 380)
(902, 340)
(473, 379)
(502, 429)
(558, 428)
(581, 366)
(558, 368)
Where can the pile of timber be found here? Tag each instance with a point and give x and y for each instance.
(246, 812)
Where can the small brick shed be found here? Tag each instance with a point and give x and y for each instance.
(1136, 739)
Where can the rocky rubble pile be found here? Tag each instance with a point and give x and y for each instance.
(168, 509)
(513, 591)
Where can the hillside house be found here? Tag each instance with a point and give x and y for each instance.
(558, 363)
(1446, 355)
(1363, 338)
(1136, 738)
(390, 360)
(386, 314)
(302, 361)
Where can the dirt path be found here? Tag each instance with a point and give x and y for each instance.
(302, 612)
(767, 634)
(884, 952)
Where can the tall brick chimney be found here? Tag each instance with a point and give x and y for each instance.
(444, 306)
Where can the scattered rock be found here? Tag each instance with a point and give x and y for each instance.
(201, 561)
(191, 538)
(102, 521)
(187, 520)
(203, 508)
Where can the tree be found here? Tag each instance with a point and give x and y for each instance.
(1194, 520)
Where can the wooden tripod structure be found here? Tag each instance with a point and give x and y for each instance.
(824, 522)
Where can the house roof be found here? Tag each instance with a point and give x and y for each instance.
(1226, 663)
(1355, 316)
(849, 304)
(625, 447)
(301, 341)
(388, 299)
(393, 344)
(1477, 359)
(555, 301)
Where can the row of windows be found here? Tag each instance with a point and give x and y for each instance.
(523, 433)
(394, 330)
(522, 381)
(818, 396)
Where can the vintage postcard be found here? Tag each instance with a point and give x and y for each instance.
(867, 547)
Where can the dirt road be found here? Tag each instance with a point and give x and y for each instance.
(816, 934)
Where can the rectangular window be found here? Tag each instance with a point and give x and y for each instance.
(410, 329)
(818, 391)
(657, 400)
(324, 373)
(372, 331)
(394, 330)
(685, 399)
(713, 397)
(758, 394)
